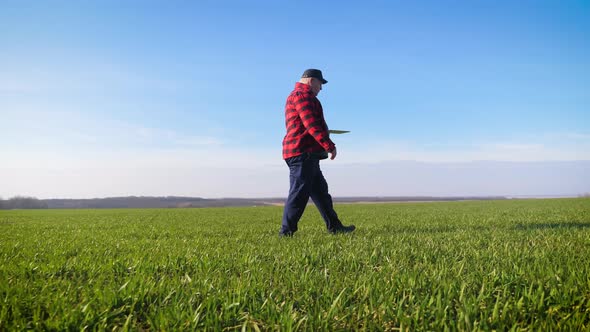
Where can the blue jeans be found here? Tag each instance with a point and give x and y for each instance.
(307, 181)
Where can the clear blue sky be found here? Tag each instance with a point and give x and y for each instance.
(412, 80)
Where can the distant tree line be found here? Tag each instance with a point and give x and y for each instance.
(141, 202)
(23, 202)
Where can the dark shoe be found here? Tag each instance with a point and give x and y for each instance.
(285, 234)
(342, 229)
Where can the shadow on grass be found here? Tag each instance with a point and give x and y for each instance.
(481, 228)
(555, 225)
(414, 230)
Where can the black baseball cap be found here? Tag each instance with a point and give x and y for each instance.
(315, 73)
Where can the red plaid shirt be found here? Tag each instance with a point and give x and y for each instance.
(306, 128)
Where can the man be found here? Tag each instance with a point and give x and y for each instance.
(306, 142)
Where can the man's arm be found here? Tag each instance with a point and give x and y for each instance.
(313, 123)
(333, 153)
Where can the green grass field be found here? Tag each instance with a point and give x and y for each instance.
(480, 265)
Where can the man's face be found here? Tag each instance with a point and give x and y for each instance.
(316, 86)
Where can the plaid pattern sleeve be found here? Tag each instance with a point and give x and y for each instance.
(306, 128)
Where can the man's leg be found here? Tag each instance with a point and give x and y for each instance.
(301, 173)
(322, 199)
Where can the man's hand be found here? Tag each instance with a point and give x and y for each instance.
(333, 153)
